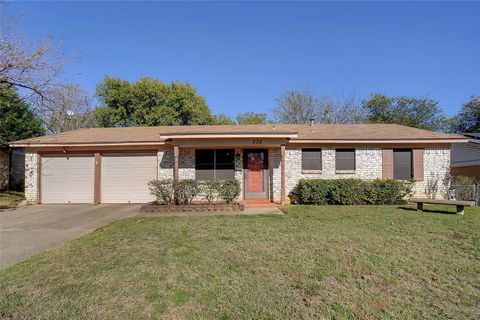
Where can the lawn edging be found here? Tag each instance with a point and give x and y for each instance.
(194, 207)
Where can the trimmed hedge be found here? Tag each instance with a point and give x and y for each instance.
(351, 191)
(184, 191)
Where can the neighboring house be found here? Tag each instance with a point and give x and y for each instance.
(4, 169)
(12, 169)
(466, 157)
(114, 165)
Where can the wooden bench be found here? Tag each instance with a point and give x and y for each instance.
(459, 204)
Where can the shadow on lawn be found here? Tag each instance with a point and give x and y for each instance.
(440, 211)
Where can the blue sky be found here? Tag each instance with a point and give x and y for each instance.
(240, 56)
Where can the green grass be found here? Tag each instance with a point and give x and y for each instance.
(313, 262)
(10, 199)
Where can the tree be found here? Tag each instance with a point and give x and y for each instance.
(223, 119)
(69, 108)
(468, 119)
(421, 113)
(149, 102)
(298, 107)
(31, 68)
(252, 118)
(17, 121)
(295, 107)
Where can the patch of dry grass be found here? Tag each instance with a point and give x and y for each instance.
(313, 262)
(10, 199)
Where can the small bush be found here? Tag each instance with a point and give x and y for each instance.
(352, 191)
(229, 190)
(210, 189)
(163, 190)
(186, 191)
(391, 191)
(464, 187)
(313, 191)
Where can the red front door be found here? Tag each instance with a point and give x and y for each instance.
(256, 174)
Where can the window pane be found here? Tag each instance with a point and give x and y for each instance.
(214, 164)
(225, 156)
(345, 159)
(204, 174)
(311, 159)
(204, 157)
(221, 174)
(402, 164)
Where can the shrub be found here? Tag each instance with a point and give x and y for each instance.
(186, 191)
(313, 191)
(229, 190)
(210, 189)
(464, 187)
(391, 191)
(352, 191)
(163, 190)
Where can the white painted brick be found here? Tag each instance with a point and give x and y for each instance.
(31, 175)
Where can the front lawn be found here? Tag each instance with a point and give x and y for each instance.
(312, 262)
(10, 199)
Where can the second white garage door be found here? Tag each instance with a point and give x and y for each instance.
(125, 177)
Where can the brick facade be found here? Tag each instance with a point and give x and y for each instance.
(368, 163)
(31, 188)
(368, 166)
(436, 168)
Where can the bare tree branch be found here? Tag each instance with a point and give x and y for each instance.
(32, 68)
(298, 107)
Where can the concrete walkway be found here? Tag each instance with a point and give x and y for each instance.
(30, 230)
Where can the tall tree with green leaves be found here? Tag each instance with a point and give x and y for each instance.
(223, 119)
(252, 118)
(421, 113)
(17, 121)
(468, 119)
(149, 102)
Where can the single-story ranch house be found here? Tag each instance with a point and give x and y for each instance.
(114, 165)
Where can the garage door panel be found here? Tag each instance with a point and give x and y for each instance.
(67, 179)
(125, 177)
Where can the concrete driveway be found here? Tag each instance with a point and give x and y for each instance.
(29, 230)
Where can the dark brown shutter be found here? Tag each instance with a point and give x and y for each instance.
(418, 164)
(387, 164)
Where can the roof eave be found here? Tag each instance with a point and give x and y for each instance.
(376, 141)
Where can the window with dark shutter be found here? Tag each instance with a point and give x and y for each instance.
(402, 164)
(345, 159)
(311, 159)
(214, 164)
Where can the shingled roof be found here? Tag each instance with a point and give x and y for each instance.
(317, 132)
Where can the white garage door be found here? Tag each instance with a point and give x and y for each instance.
(67, 179)
(125, 177)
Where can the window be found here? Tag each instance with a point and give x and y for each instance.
(402, 164)
(214, 164)
(345, 159)
(311, 159)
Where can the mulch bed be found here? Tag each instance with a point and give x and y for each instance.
(194, 207)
